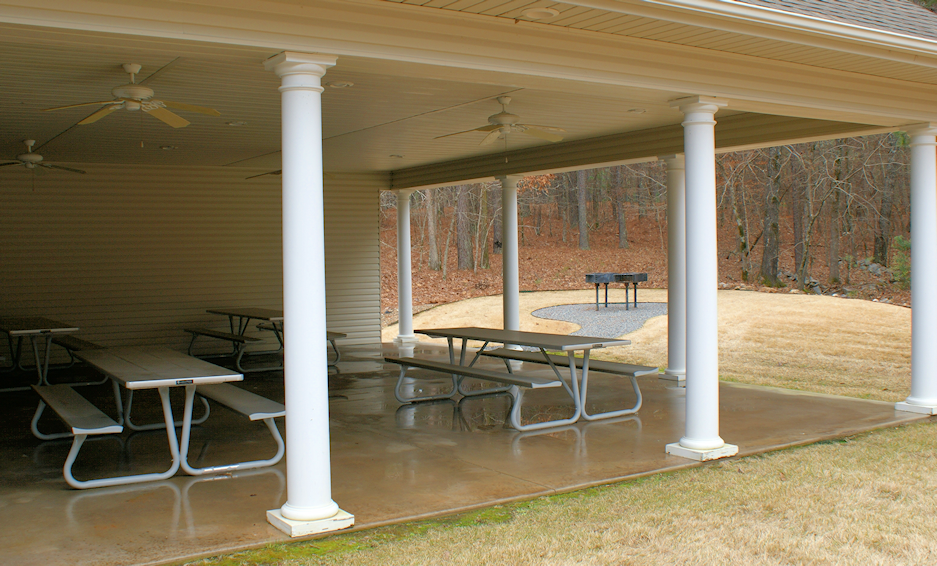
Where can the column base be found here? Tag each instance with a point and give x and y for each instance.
(406, 340)
(674, 375)
(723, 451)
(922, 409)
(341, 520)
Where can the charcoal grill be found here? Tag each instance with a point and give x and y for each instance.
(606, 278)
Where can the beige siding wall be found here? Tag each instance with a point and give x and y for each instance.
(132, 254)
(352, 255)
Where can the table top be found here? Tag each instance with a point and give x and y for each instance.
(25, 325)
(630, 277)
(148, 367)
(535, 339)
(250, 312)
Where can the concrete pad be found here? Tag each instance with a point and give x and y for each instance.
(390, 462)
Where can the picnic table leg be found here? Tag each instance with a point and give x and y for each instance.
(42, 368)
(125, 417)
(608, 414)
(138, 478)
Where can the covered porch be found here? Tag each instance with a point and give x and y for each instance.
(349, 99)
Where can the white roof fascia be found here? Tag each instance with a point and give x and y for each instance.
(772, 23)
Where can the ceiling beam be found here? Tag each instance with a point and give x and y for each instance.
(733, 133)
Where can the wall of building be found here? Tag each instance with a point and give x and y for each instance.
(132, 254)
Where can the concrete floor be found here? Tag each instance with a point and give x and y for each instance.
(390, 463)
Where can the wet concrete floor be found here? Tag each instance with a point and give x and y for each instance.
(390, 463)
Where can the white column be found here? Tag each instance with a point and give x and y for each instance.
(923, 398)
(701, 440)
(405, 337)
(309, 507)
(509, 270)
(676, 269)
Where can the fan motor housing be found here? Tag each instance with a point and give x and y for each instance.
(503, 119)
(29, 158)
(132, 91)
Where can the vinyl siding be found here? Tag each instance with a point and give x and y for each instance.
(132, 254)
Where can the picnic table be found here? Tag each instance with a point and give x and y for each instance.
(514, 382)
(239, 319)
(40, 332)
(152, 367)
(606, 278)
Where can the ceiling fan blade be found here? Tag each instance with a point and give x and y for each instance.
(277, 172)
(83, 104)
(487, 128)
(490, 138)
(10, 163)
(100, 114)
(541, 134)
(166, 116)
(544, 128)
(191, 108)
(50, 166)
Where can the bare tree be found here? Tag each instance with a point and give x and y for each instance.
(583, 221)
(429, 204)
(464, 228)
(772, 226)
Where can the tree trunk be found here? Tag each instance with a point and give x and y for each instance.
(583, 221)
(481, 231)
(738, 212)
(883, 228)
(463, 228)
(619, 196)
(772, 230)
(494, 205)
(798, 188)
(839, 167)
(431, 217)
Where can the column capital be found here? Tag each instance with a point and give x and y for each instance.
(923, 129)
(511, 180)
(403, 192)
(290, 62)
(704, 104)
(674, 161)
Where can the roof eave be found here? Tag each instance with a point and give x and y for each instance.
(733, 16)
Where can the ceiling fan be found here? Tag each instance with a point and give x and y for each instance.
(32, 160)
(504, 123)
(136, 96)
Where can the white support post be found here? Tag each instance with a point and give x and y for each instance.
(509, 271)
(923, 398)
(676, 269)
(701, 440)
(405, 339)
(309, 507)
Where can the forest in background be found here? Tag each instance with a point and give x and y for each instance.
(826, 217)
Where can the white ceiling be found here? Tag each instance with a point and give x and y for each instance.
(392, 109)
